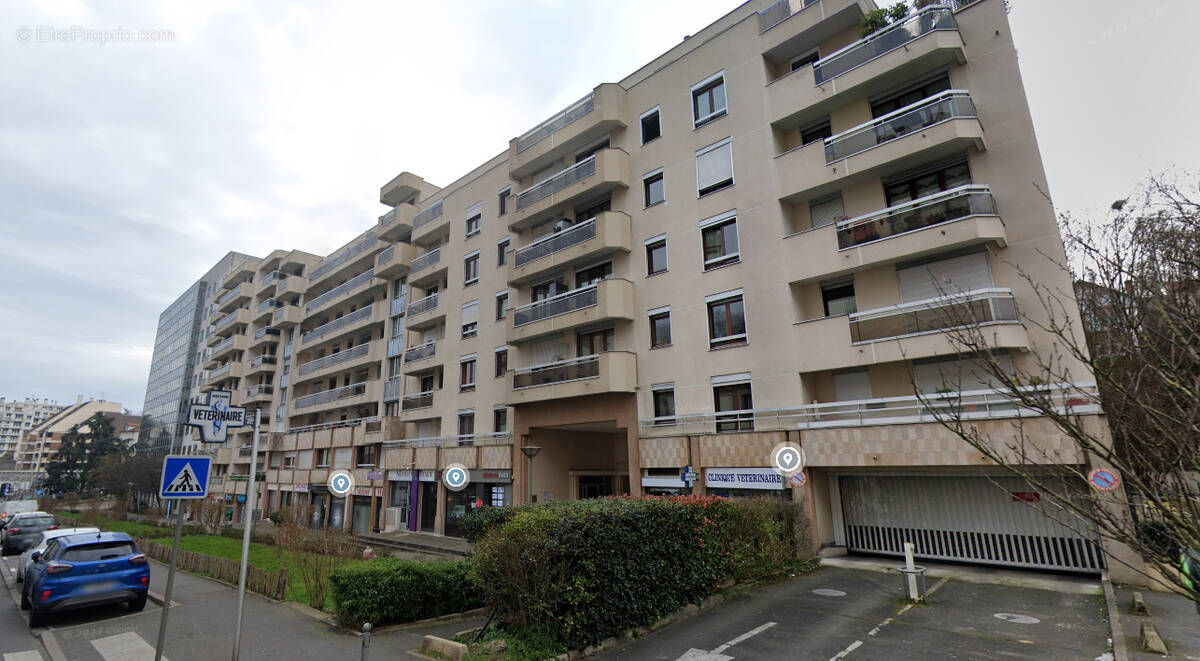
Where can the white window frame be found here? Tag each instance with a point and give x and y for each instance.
(473, 211)
(667, 256)
(655, 109)
(728, 258)
(650, 314)
(697, 122)
(718, 298)
(466, 359)
(463, 326)
(704, 150)
(467, 256)
(507, 305)
(645, 202)
(498, 350)
(507, 243)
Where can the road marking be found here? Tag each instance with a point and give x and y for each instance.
(829, 592)
(875, 631)
(702, 655)
(846, 652)
(746, 636)
(1016, 618)
(31, 655)
(694, 654)
(126, 646)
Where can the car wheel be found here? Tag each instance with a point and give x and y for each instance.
(37, 618)
(137, 605)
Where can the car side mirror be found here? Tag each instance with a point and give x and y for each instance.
(36, 556)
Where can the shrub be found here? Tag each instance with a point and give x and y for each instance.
(391, 590)
(479, 521)
(582, 571)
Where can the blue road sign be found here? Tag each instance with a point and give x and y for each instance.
(1104, 479)
(184, 477)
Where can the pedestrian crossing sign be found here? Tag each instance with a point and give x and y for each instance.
(185, 477)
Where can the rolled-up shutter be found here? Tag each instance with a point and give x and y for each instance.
(826, 212)
(851, 386)
(714, 165)
(943, 277)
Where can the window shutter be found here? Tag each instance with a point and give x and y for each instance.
(548, 351)
(968, 374)
(947, 276)
(470, 313)
(714, 166)
(851, 386)
(826, 212)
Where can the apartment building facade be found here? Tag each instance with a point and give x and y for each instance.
(19, 416)
(753, 239)
(40, 445)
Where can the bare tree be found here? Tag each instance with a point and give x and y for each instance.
(1137, 287)
(316, 552)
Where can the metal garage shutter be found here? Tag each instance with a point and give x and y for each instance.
(972, 519)
(946, 276)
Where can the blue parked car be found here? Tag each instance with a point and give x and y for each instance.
(84, 570)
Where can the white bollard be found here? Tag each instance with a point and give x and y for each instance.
(912, 577)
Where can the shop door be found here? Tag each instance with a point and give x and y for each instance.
(337, 513)
(428, 505)
(361, 524)
(318, 510)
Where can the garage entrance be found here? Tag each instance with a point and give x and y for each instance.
(996, 520)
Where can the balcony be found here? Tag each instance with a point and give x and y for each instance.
(427, 268)
(243, 272)
(607, 299)
(270, 280)
(260, 392)
(341, 325)
(229, 370)
(364, 279)
(395, 347)
(233, 298)
(420, 312)
(584, 122)
(602, 172)
(287, 316)
(607, 233)
(266, 309)
(392, 388)
(964, 216)
(334, 263)
(396, 307)
(227, 347)
(263, 363)
(228, 321)
(421, 400)
(910, 331)
(420, 352)
(397, 223)
(343, 396)
(263, 336)
(345, 359)
(291, 287)
(394, 260)
(922, 43)
(614, 371)
(937, 127)
(425, 230)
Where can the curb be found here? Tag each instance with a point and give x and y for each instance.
(1120, 653)
(51, 644)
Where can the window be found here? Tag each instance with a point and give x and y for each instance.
(305, 460)
(660, 327)
(653, 188)
(471, 269)
(585, 154)
(275, 458)
(910, 96)
(366, 456)
(656, 256)
(503, 196)
(593, 274)
(592, 343)
(466, 373)
(838, 299)
(500, 420)
(470, 319)
(801, 61)
(473, 225)
(466, 423)
(544, 290)
(501, 362)
(726, 320)
(664, 403)
(720, 239)
(714, 167)
(735, 397)
(708, 100)
(926, 182)
(650, 126)
(289, 460)
(341, 457)
(826, 211)
(816, 132)
(502, 252)
(323, 458)
(501, 305)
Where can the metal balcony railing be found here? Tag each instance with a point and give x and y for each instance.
(980, 306)
(229, 295)
(287, 350)
(556, 123)
(263, 332)
(397, 305)
(227, 319)
(284, 380)
(425, 261)
(392, 388)
(388, 217)
(260, 389)
(776, 13)
(466, 440)
(223, 345)
(337, 324)
(427, 215)
(423, 304)
(219, 372)
(324, 397)
(334, 359)
(954, 204)
(332, 262)
(552, 243)
(384, 255)
(421, 351)
(360, 280)
(576, 299)
(265, 359)
(572, 369)
(929, 19)
(556, 182)
(271, 277)
(941, 107)
(268, 304)
(421, 400)
(395, 347)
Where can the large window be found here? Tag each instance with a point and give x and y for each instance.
(660, 328)
(734, 397)
(594, 342)
(816, 132)
(470, 319)
(466, 373)
(726, 320)
(323, 458)
(936, 179)
(656, 255)
(650, 126)
(653, 189)
(720, 238)
(341, 457)
(714, 167)
(826, 211)
(367, 455)
(473, 225)
(466, 423)
(471, 269)
(593, 274)
(501, 305)
(501, 362)
(838, 298)
(500, 420)
(664, 403)
(708, 100)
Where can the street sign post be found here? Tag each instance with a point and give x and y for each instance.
(183, 478)
(247, 524)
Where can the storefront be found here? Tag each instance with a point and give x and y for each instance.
(743, 482)
(363, 509)
(488, 488)
(665, 486)
(420, 488)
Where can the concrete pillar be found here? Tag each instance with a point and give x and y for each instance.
(439, 521)
(634, 452)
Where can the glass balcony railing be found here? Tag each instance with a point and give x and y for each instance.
(260, 389)
(214, 375)
(556, 123)
(425, 261)
(421, 400)
(551, 244)
(954, 204)
(776, 13)
(271, 277)
(576, 299)
(423, 304)
(392, 388)
(428, 215)
(397, 305)
(324, 397)
(228, 319)
(958, 310)
(265, 359)
(222, 345)
(384, 255)
(941, 107)
(395, 347)
(894, 36)
(420, 352)
(332, 262)
(556, 182)
(360, 280)
(336, 325)
(387, 217)
(263, 332)
(229, 295)
(268, 304)
(585, 367)
(334, 359)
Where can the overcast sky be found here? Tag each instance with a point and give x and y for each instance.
(128, 168)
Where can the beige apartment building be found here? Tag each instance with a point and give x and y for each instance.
(19, 416)
(39, 445)
(752, 239)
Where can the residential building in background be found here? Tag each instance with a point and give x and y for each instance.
(173, 367)
(40, 445)
(18, 417)
(761, 236)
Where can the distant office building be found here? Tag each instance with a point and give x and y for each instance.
(18, 417)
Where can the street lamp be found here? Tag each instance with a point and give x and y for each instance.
(531, 451)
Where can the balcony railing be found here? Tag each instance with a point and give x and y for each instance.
(331, 263)
(219, 372)
(263, 332)
(941, 107)
(324, 397)
(392, 388)
(1066, 398)
(572, 369)
(556, 123)
(427, 215)
(338, 424)
(551, 244)
(350, 285)
(423, 304)
(466, 440)
(287, 350)
(261, 389)
(223, 345)
(425, 261)
(395, 347)
(265, 359)
(285, 379)
(229, 295)
(334, 359)
(421, 400)
(421, 351)
(885, 41)
(280, 312)
(954, 204)
(271, 277)
(337, 324)
(980, 306)
(776, 13)
(576, 299)
(268, 304)
(556, 182)
(388, 217)
(397, 305)
(228, 319)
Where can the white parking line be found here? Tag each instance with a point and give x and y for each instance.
(126, 646)
(749, 634)
(875, 631)
(846, 652)
(30, 655)
(716, 653)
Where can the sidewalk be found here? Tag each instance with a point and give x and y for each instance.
(420, 542)
(1173, 615)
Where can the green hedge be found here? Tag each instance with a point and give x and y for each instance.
(392, 590)
(582, 571)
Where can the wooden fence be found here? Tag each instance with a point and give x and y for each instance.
(271, 584)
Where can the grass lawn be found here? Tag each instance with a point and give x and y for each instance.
(132, 528)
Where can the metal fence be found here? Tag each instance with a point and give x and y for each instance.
(420, 352)
(780, 11)
(425, 261)
(427, 215)
(557, 182)
(585, 367)
(421, 400)
(556, 123)
(324, 397)
(954, 204)
(576, 299)
(944, 106)
(423, 304)
(553, 243)
(886, 40)
(334, 359)
(337, 324)
(974, 307)
(360, 280)
(332, 262)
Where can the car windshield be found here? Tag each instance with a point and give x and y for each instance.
(96, 552)
(40, 522)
